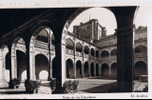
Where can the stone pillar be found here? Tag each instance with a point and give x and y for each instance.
(63, 62)
(13, 64)
(75, 69)
(125, 59)
(32, 74)
(32, 66)
(50, 65)
(3, 82)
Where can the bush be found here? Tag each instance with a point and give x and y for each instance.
(71, 86)
(32, 86)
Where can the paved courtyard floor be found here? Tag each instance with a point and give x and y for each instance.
(85, 86)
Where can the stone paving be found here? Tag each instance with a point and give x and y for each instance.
(85, 86)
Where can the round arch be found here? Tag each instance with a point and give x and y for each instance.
(78, 69)
(42, 67)
(70, 69)
(69, 44)
(97, 69)
(92, 69)
(86, 69)
(114, 70)
(86, 50)
(104, 53)
(79, 47)
(105, 70)
(41, 37)
(92, 52)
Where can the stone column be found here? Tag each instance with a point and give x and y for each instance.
(32, 66)
(63, 62)
(32, 74)
(75, 69)
(3, 82)
(13, 64)
(125, 59)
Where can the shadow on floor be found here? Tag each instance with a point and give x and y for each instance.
(105, 88)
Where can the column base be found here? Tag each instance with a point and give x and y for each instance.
(3, 84)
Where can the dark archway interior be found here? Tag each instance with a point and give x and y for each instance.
(78, 69)
(114, 71)
(105, 70)
(97, 69)
(92, 69)
(86, 50)
(21, 65)
(69, 69)
(104, 54)
(92, 52)
(42, 67)
(86, 69)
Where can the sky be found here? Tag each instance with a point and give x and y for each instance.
(107, 19)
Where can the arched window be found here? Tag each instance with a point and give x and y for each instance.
(92, 52)
(86, 50)
(104, 54)
(114, 52)
(78, 47)
(69, 68)
(69, 44)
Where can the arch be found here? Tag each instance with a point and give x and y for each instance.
(114, 70)
(79, 47)
(97, 53)
(114, 52)
(86, 69)
(92, 52)
(69, 68)
(141, 68)
(41, 64)
(86, 50)
(104, 53)
(141, 49)
(97, 69)
(105, 70)
(37, 42)
(78, 69)
(17, 43)
(69, 44)
(92, 69)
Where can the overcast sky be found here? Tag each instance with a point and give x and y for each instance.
(107, 19)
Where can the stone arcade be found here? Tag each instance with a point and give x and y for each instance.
(42, 46)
